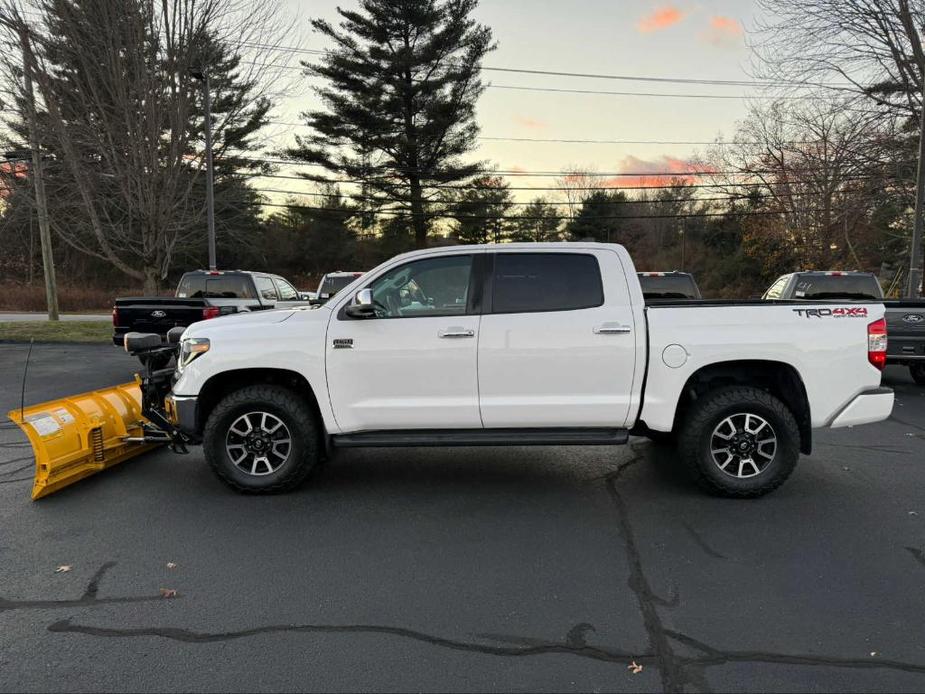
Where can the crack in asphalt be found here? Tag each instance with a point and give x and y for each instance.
(672, 677)
(700, 542)
(714, 656)
(7, 473)
(527, 647)
(89, 597)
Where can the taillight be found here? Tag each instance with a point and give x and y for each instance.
(115, 315)
(211, 312)
(876, 343)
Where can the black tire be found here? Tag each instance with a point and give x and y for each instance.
(661, 438)
(280, 404)
(767, 467)
(917, 371)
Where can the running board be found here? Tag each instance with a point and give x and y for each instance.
(481, 437)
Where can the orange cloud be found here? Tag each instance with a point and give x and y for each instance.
(530, 123)
(724, 32)
(662, 18)
(641, 173)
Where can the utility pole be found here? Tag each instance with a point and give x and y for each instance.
(915, 252)
(41, 201)
(203, 76)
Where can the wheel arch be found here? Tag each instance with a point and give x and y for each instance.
(778, 378)
(221, 384)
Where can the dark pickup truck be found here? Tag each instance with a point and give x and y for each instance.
(905, 319)
(201, 295)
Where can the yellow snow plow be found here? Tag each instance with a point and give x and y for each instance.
(78, 436)
(81, 435)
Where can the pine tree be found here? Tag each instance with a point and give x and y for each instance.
(481, 211)
(403, 79)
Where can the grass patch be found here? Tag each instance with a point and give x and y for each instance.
(99, 332)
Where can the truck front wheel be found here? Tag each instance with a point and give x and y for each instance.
(917, 371)
(740, 442)
(262, 439)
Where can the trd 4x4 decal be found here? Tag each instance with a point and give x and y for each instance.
(841, 312)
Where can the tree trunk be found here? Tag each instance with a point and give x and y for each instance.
(417, 214)
(151, 280)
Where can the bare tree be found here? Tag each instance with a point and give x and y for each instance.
(821, 167)
(576, 184)
(869, 47)
(122, 119)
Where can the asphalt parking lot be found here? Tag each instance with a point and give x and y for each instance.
(525, 569)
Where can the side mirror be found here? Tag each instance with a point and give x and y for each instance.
(362, 305)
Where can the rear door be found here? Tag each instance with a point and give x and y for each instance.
(557, 347)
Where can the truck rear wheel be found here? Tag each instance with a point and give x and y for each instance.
(740, 442)
(262, 439)
(917, 371)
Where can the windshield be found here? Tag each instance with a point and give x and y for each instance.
(863, 287)
(669, 287)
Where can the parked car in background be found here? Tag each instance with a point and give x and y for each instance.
(201, 295)
(905, 319)
(332, 283)
(668, 285)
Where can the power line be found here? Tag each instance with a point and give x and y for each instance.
(545, 203)
(443, 215)
(670, 95)
(578, 189)
(587, 75)
(556, 174)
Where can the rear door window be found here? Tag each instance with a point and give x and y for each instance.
(286, 291)
(533, 282)
(265, 288)
(777, 289)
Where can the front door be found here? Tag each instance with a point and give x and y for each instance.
(413, 366)
(557, 345)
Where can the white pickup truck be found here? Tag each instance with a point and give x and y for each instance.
(526, 344)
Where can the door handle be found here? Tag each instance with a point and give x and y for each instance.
(612, 329)
(456, 332)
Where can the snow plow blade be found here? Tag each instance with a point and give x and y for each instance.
(78, 436)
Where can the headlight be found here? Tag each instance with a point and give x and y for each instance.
(190, 348)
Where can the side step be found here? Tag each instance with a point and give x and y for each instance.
(481, 437)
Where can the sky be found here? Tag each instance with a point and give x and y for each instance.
(679, 39)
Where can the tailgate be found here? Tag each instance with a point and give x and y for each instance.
(906, 328)
(155, 315)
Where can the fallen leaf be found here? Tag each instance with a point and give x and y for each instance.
(168, 593)
(635, 667)
(63, 569)
(873, 654)
(171, 565)
(913, 513)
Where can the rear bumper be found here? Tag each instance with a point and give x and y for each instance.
(870, 406)
(183, 413)
(903, 349)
